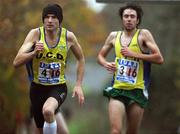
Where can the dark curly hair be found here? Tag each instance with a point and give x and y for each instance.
(135, 7)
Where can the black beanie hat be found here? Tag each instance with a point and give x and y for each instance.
(53, 9)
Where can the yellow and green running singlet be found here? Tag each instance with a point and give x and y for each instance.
(48, 67)
(130, 72)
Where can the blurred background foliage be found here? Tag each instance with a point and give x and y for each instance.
(17, 17)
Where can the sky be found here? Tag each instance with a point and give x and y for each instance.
(95, 6)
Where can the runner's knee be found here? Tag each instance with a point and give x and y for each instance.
(115, 131)
(48, 113)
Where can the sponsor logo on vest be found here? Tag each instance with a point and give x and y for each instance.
(50, 55)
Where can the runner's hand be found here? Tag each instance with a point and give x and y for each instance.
(39, 47)
(110, 66)
(127, 52)
(77, 91)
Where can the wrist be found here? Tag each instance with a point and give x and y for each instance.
(34, 53)
(104, 63)
(78, 82)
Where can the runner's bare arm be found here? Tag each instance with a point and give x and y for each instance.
(78, 53)
(154, 56)
(108, 45)
(25, 54)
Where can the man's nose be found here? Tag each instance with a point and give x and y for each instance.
(129, 17)
(50, 19)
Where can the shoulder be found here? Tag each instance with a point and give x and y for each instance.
(70, 36)
(145, 39)
(111, 38)
(71, 39)
(113, 34)
(34, 31)
(145, 32)
(145, 35)
(33, 35)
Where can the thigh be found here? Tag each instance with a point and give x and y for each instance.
(38, 98)
(59, 93)
(134, 117)
(50, 105)
(62, 126)
(116, 113)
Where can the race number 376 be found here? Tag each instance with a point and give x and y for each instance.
(127, 71)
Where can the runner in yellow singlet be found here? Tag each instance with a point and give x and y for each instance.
(44, 52)
(135, 50)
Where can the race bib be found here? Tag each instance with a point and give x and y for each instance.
(49, 72)
(127, 71)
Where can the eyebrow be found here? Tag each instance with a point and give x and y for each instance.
(51, 15)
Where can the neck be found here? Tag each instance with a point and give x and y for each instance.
(52, 34)
(52, 37)
(130, 32)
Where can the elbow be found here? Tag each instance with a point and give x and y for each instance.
(98, 60)
(15, 64)
(160, 60)
(81, 61)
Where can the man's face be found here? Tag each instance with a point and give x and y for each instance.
(129, 19)
(51, 22)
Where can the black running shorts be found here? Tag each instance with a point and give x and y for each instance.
(40, 93)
